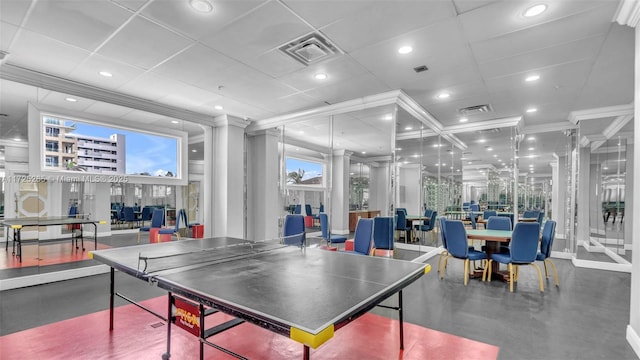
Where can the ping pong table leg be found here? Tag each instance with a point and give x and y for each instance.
(167, 355)
(305, 353)
(111, 298)
(400, 318)
(95, 236)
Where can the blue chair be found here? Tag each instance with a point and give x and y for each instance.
(473, 219)
(298, 210)
(171, 230)
(433, 216)
(544, 255)
(383, 234)
(146, 214)
(523, 250)
(362, 238)
(401, 223)
(531, 214)
(487, 214)
(129, 216)
(326, 232)
(499, 223)
(316, 218)
(474, 207)
(540, 217)
(444, 252)
(458, 247)
(182, 214)
(157, 219)
(293, 231)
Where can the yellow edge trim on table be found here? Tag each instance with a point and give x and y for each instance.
(90, 254)
(16, 226)
(427, 268)
(309, 339)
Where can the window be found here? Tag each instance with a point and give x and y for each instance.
(304, 172)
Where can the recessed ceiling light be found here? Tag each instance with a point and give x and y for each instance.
(531, 149)
(175, 121)
(364, 152)
(489, 148)
(495, 155)
(388, 117)
(105, 73)
(443, 95)
(531, 138)
(408, 128)
(532, 78)
(482, 140)
(70, 99)
(194, 150)
(17, 139)
(405, 49)
(320, 76)
(463, 120)
(218, 107)
(532, 110)
(201, 5)
(535, 10)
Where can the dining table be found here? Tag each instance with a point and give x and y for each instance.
(492, 239)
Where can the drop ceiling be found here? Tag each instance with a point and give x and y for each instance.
(170, 62)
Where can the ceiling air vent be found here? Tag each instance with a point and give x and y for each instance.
(311, 49)
(420, 68)
(489, 131)
(476, 109)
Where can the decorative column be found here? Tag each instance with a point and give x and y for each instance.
(340, 192)
(229, 179)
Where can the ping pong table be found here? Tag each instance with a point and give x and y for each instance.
(18, 223)
(305, 294)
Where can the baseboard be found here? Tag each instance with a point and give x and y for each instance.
(600, 265)
(44, 278)
(633, 339)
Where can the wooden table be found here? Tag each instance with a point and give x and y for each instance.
(492, 239)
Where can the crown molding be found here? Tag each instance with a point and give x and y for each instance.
(228, 120)
(542, 128)
(628, 13)
(599, 113)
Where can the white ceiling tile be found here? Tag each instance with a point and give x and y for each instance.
(260, 31)
(357, 87)
(505, 17)
(320, 13)
(372, 24)
(196, 64)
(105, 109)
(560, 55)
(85, 24)
(89, 72)
(38, 52)
(187, 96)
(180, 16)
(14, 11)
(338, 70)
(237, 108)
(7, 32)
(149, 86)
(275, 63)
(144, 44)
(133, 5)
(260, 93)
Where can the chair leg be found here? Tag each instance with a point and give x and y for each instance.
(546, 272)
(510, 277)
(466, 271)
(539, 276)
(489, 270)
(138, 237)
(444, 266)
(555, 271)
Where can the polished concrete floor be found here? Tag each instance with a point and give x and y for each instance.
(585, 318)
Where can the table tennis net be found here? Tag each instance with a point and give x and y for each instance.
(166, 261)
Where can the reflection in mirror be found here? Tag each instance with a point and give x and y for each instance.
(607, 221)
(358, 187)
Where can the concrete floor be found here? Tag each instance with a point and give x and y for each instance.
(585, 318)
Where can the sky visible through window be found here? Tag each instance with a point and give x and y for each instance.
(145, 153)
(311, 169)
